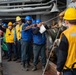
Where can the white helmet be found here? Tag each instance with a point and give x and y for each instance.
(72, 5)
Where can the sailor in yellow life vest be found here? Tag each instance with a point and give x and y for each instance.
(18, 29)
(66, 62)
(10, 40)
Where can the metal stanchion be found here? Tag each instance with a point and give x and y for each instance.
(1, 66)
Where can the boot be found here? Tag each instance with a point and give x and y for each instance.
(27, 67)
(9, 59)
(15, 59)
(23, 64)
(19, 60)
(34, 68)
(43, 67)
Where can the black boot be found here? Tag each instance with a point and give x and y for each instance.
(34, 68)
(27, 67)
(9, 59)
(15, 59)
(19, 60)
(23, 64)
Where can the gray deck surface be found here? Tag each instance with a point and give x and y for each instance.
(14, 68)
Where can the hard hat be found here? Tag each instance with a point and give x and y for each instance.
(18, 18)
(38, 21)
(70, 14)
(72, 4)
(34, 22)
(10, 23)
(5, 25)
(28, 18)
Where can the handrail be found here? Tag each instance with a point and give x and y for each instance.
(29, 5)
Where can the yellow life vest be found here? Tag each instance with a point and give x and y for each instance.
(9, 35)
(70, 34)
(18, 31)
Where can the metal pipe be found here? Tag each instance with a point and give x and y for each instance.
(15, 1)
(25, 9)
(27, 5)
(23, 14)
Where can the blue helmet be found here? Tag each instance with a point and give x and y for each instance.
(5, 25)
(38, 21)
(28, 18)
(33, 21)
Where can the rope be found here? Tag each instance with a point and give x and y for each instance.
(43, 21)
(50, 53)
(51, 19)
(46, 21)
